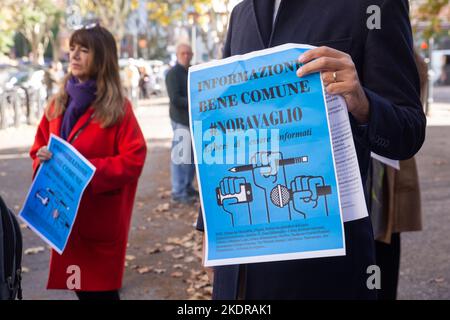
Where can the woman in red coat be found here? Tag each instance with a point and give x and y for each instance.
(90, 112)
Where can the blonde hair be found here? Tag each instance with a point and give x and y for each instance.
(104, 68)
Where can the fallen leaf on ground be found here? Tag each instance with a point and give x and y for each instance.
(164, 194)
(34, 250)
(162, 207)
(169, 248)
(176, 274)
(175, 240)
(159, 271)
(25, 270)
(144, 270)
(130, 257)
(190, 290)
(152, 250)
(178, 255)
(188, 244)
(208, 289)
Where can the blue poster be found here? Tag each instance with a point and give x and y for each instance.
(52, 202)
(264, 159)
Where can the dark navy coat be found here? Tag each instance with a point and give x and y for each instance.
(385, 64)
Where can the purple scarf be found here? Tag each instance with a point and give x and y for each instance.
(81, 96)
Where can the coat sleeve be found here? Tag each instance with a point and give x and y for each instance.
(227, 47)
(115, 172)
(396, 127)
(40, 140)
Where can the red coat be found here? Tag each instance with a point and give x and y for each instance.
(99, 236)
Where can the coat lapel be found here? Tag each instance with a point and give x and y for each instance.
(258, 15)
(55, 126)
(80, 123)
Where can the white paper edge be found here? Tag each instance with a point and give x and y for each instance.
(361, 188)
(249, 55)
(277, 257)
(389, 162)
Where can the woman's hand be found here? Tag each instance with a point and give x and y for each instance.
(339, 76)
(43, 154)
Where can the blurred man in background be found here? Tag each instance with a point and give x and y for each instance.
(182, 168)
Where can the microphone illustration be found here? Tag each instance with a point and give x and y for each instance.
(281, 195)
(282, 162)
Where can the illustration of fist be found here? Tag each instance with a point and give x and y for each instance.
(234, 200)
(304, 192)
(266, 169)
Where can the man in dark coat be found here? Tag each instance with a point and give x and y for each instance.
(374, 70)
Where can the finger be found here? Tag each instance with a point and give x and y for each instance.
(258, 157)
(273, 165)
(328, 77)
(321, 64)
(304, 183)
(237, 184)
(226, 186)
(265, 159)
(313, 183)
(254, 160)
(321, 52)
(298, 184)
(339, 88)
(293, 186)
(231, 186)
(222, 187)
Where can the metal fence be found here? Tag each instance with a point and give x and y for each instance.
(21, 106)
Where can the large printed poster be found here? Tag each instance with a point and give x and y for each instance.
(264, 159)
